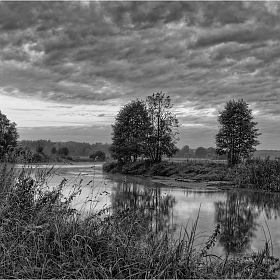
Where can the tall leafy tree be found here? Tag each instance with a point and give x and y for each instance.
(132, 125)
(237, 136)
(162, 138)
(8, 134)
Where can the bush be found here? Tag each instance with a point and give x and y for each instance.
(98, 156)
(39, 157)
(258, 173)
(135, 168)
(112, 167)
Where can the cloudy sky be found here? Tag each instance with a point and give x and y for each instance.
(66, 68)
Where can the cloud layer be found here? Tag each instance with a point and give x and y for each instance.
(105, 53)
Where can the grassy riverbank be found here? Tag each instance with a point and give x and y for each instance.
(42, 236)
(197, 170)
(261, 174)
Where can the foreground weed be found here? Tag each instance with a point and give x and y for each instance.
(43, 236)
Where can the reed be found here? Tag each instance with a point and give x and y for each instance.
(43, 236)
(263, 174)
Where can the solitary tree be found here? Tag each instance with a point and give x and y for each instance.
(237, 136)
(8, 134)
(130, 132)
(200, 152)
(162, 137)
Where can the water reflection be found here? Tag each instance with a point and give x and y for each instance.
(244, 216)
(238, 223)
(239, 216)
(267, 203)
(247, 219)
(155, 207)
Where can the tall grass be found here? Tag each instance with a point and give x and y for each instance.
(43, 236)
(198, 170)
(258, 173)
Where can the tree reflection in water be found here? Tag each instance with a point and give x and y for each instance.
(156, 210)
(238, 217)
(238, 223)
(241, 216)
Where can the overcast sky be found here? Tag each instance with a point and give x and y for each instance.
(67, 68)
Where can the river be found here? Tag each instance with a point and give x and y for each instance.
(249, 217)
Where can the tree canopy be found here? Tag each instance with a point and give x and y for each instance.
(130, 132)
(145, 129)
(63, 151)
(8, 134)
(237, 136)
(201, 152)
(162, 138)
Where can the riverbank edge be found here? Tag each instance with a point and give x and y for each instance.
(204, 186)
(210, 177)
(191, 184)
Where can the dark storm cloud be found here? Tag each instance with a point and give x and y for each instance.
(200, 53)
(240, 34)
(48, 85)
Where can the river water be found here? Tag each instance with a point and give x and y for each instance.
(250, 217)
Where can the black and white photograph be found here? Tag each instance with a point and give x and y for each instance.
(139, 139)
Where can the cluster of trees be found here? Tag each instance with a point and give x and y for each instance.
(200, 152)
(63, 151)
(145, 129)
(148, 129)
(8, 134)
(74, 148)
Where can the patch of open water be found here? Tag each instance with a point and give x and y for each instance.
(251, 217)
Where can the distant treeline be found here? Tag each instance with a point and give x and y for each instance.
(210, 153)
(75, 148)
(86, 149)
(200, 152)
(267, 153)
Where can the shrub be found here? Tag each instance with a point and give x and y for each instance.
(258, 173)
(135, 168)
(98, 156)
(113, 167)
(39, 157)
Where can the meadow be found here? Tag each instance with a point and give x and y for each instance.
(43, 236)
